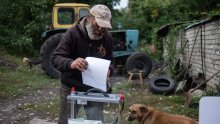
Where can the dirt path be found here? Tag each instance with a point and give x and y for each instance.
(9, 108)
(12, 109)
(11, 114)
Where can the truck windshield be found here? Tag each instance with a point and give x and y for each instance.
(66, 16)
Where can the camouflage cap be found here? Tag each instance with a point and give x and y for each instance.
(102, 15)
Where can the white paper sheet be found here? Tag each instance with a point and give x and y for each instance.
(96, 73)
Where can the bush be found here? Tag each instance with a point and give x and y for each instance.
(26, 20)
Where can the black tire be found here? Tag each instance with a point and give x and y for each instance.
(162, 85)
(139, 61)
(45, 55)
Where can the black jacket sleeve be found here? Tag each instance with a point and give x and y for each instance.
(61, 57)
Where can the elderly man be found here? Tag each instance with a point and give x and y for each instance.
(90, 37)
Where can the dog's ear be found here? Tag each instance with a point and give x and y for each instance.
(143, 109)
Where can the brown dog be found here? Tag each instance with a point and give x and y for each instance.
(148, 115)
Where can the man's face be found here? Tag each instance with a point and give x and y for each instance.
(95, 32)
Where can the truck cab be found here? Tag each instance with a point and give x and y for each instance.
(66, 15)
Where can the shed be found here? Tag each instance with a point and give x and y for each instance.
(201, 41)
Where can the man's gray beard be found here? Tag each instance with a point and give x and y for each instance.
(90, 31)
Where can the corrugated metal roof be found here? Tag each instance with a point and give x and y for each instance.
(195, 24)
(215, 17)
(163, 30)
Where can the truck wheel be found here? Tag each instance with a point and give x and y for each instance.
(139, 61)
(46, 52)
(162, 85)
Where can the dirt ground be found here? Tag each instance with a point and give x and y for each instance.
(18, 109)
(10, 112)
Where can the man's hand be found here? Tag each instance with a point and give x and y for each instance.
(80, 64)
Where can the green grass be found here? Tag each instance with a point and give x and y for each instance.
(17, 79)
(17, 82)
(172, 104)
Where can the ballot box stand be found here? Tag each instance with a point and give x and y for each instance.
(112, 107)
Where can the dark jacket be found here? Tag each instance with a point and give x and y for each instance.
(76, 43)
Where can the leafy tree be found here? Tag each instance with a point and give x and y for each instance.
(23, 21)
(149, 15)
(109, 3)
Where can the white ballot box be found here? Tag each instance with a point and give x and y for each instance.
(95, 107)
(83, 121)
(209, 110)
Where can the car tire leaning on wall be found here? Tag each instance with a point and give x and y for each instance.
(162, 84)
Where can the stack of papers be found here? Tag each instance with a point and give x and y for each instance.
(96, 73)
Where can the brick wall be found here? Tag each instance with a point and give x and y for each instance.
(206, 51)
